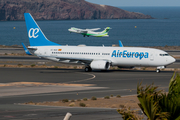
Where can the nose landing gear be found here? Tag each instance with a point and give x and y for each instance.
(160, 67)
(158, 71)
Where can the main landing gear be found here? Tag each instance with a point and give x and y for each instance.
(87, 69)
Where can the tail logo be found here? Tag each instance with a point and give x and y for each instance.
(33, 33)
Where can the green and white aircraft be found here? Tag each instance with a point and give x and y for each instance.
(90, 32)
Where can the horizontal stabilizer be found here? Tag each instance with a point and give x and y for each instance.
(26, 50)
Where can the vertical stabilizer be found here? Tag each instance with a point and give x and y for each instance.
(35, 34)
(106, 30)
(120, 44)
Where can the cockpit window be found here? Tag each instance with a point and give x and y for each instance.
(164, 54)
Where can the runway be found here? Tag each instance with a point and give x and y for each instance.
(20, 112)
(116, 82)
(19, 58)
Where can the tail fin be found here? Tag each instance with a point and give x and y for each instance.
(106, 30)
(120, 44)
(35, 34)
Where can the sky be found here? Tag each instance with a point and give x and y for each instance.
(137, 2)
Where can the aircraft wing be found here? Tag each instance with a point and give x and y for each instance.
(82, 31)
(84, 60)
(77, 30)
(73, 28)
(94, 29)
(86, 30)
(77, 60)
(72, 58)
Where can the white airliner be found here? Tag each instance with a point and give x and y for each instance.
(93, 57)
(90, 32)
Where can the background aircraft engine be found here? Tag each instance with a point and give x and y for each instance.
(100, 65)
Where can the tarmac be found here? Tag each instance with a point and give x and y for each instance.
(116, 82)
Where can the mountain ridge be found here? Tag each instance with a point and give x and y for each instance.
(12, 10)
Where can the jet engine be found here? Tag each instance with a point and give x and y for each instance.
(100, 64)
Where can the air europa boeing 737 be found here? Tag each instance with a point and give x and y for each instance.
(92, 57)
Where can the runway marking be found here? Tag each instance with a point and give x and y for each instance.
(45, 94)
(38, 109)
(9, 116)
(46, 107)
(176, 63)
(93, 76)
(37, 84)
(79, 92)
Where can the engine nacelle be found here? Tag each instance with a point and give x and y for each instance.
(100, 65)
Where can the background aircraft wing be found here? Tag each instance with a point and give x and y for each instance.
(83, 31)
(78, 30)
(93, 29)
(75, 28)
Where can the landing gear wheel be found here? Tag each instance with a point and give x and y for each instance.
(87, 69)
(158, 70)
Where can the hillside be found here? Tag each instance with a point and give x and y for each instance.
(62, 10)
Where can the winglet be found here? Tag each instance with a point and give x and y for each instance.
(120, 44)
(26, 50)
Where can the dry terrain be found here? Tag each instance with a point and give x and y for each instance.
(112, 102)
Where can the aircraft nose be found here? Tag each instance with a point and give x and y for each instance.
(172, 60)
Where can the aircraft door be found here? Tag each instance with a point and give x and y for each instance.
(152, 57)
(46, 52)
(38, 52)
